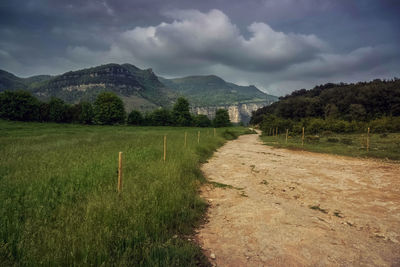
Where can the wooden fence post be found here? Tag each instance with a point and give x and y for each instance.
(165, 148)
(198, 137)
(185, 138)
(119, 172)
(302, 138)
(287, 132)
(270, 131)
(276, 132)
(273, 131)
(368, 140)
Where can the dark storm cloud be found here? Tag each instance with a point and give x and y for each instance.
(277, 45)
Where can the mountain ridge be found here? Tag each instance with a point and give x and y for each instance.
(139, 89)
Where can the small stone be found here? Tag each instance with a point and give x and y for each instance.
(175, 236)
(212, 256)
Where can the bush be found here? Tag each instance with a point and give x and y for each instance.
(229, 135)
(316, 126)
(346, 141)
(327, 133)
(333, 139)
(312, 139)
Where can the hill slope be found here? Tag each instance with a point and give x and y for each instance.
(138, 88)
(211, 90)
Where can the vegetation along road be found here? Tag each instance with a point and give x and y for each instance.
(277, 207)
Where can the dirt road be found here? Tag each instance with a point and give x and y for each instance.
(296, 208)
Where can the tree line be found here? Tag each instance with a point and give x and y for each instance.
(341, 108)
(107, 109)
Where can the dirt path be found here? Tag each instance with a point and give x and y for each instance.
(296, 208)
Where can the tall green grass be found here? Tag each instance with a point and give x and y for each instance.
(381, 145)
(58, 199)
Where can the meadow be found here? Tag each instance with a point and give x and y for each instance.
(385, 146)
(59, 203)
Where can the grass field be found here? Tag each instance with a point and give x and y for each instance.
(58, 199)
(386, 146)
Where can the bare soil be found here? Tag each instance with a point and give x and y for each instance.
(297, 208)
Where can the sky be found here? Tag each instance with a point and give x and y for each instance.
(277, 45)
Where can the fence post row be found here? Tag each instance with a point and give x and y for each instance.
(119, 187)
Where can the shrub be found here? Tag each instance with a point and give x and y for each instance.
(346, 141)
(229, 135)
(333, 139)
(312, 138)
(316, 126)
(327, 133)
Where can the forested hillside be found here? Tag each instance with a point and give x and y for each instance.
(363, 101)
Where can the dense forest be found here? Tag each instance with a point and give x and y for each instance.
(336, 107)
(107, 109)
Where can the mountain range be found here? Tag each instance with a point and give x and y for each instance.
(143, 89)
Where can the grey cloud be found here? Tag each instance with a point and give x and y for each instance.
(211, 38)
(276, 45)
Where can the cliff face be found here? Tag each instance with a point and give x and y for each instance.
(237, 113)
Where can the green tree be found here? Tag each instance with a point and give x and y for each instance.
(19, 105)
(44, 112)
(108, 109)
(331, 111)
(160, 117)
(135, 118)
(221, 118)
(357, 112)
(201, 121)
(181, 114)
(82, 113)
(57, 110)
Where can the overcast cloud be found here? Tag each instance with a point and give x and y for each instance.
(279, 46)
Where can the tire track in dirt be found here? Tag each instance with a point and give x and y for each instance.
(297, 208)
